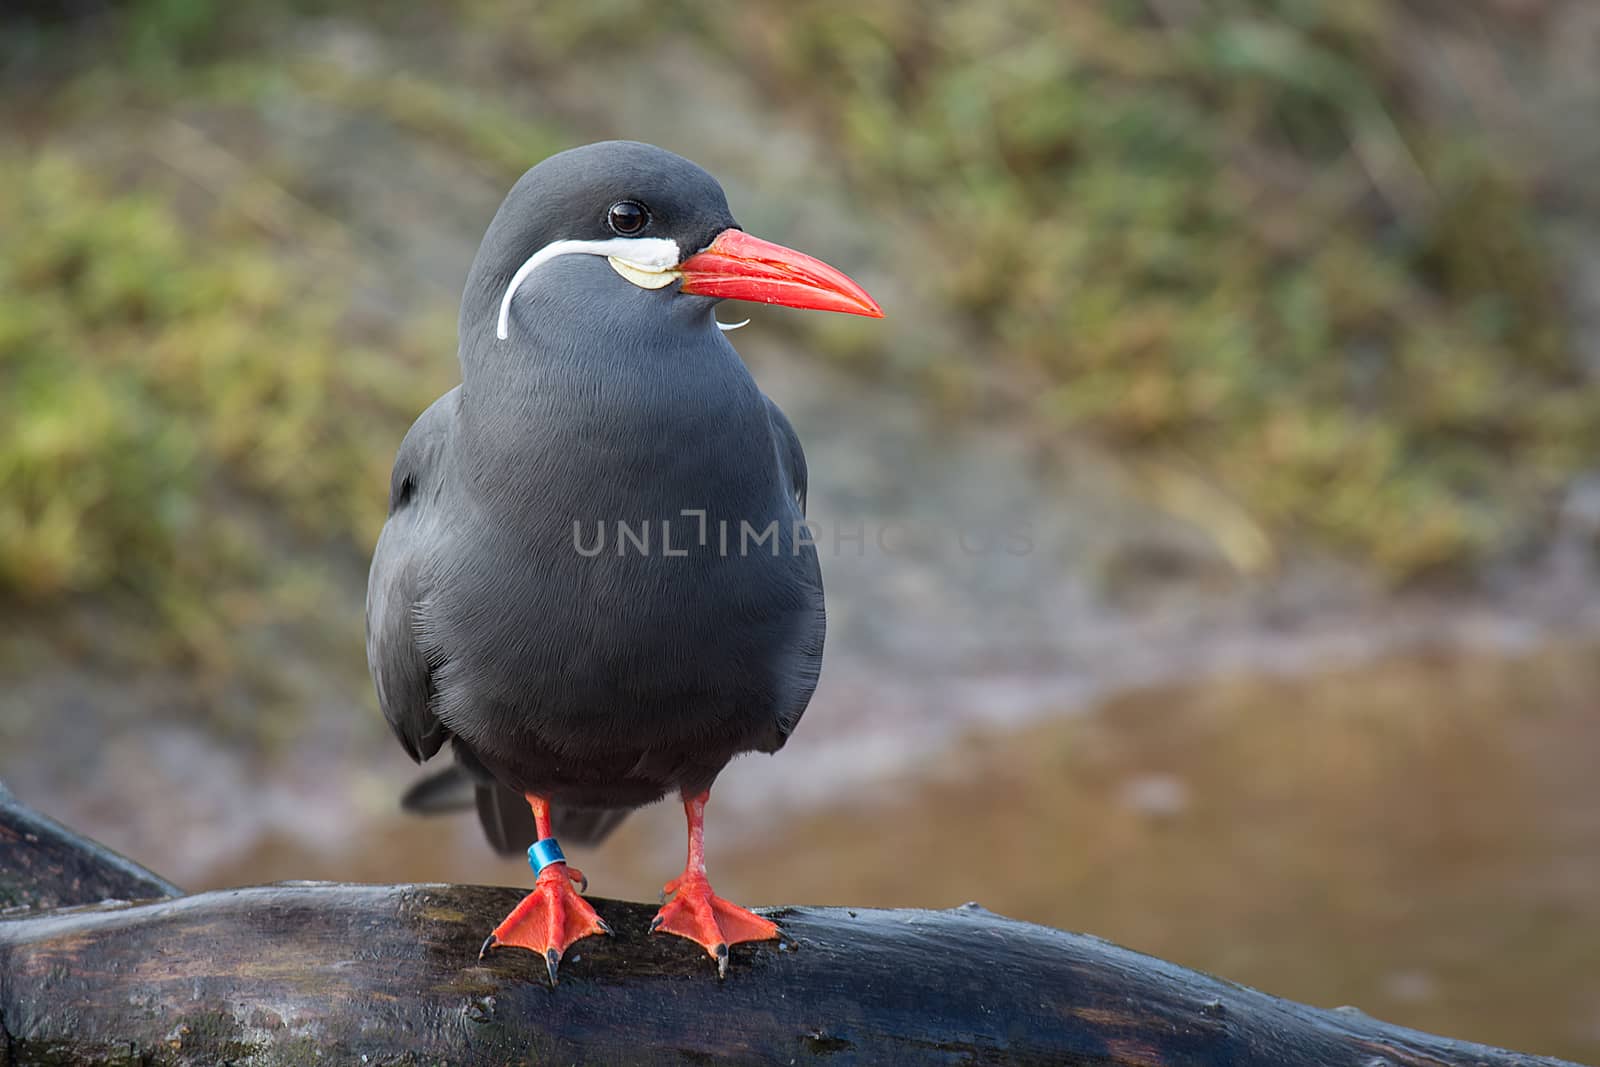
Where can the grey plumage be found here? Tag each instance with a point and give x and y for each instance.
(601, 681)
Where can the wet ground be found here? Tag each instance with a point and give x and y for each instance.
(1419, 838)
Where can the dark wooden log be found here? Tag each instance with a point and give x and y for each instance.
(45, 865)
(345, 974)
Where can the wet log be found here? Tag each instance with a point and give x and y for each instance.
(349, 974)
(45, 865)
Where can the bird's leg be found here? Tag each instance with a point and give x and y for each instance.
(695, 911)
(553, 916)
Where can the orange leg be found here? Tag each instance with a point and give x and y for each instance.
(553, 916)
(699, 914)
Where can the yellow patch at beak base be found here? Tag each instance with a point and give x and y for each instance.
(640, 276)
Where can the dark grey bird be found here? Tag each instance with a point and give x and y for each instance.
(594, 583)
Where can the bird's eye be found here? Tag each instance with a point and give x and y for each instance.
(627, 218)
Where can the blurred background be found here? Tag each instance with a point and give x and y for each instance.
(1276, 323)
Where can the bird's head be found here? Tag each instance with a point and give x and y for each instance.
(659, 223)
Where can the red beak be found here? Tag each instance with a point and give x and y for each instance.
(740, 267)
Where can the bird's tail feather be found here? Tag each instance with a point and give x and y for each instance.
(586, 826)
(507, 822)
(441, 793)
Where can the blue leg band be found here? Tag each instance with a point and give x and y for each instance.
(542, 854)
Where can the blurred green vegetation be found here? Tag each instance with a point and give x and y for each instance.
(1222, 236)
(1216, 233)
(168, 381)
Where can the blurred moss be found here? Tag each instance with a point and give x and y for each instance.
(1222, 237)
(1225, 238)
(159, 31)
(164, 382)
(1221, 234)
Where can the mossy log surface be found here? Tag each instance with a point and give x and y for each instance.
(376, 974)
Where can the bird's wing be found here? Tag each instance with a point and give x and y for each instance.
(806, 662)
(791, 457)
(397, 586)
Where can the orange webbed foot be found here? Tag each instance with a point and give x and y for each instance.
(695, 912)
(549, 919)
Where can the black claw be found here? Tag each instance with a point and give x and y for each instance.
(655, 924)
(583, 883)
(721, 951)
(489, 944)
(605, 927)
(552, 960)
